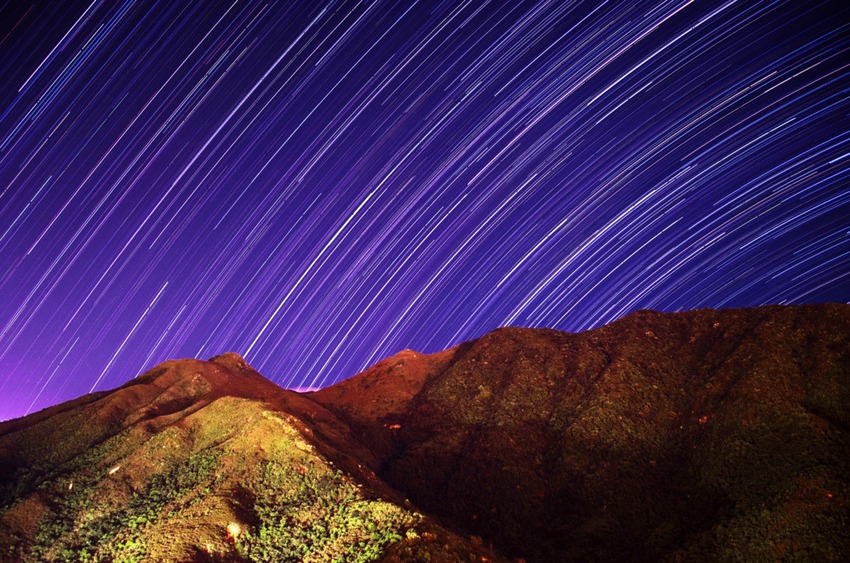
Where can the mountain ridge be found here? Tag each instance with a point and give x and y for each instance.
(661, 436)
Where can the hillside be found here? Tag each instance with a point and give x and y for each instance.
(201, 461)
(705, 435)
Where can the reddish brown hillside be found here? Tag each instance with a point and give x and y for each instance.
(203, 461)
(368, 401)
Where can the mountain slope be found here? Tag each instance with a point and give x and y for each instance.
(699, 435)
(706, 435)
(201, 461)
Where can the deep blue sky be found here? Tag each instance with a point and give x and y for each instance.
(319, 185)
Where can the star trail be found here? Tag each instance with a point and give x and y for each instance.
(318, 185)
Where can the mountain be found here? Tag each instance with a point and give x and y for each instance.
(202, 461)
(692, 436)
(703, 435)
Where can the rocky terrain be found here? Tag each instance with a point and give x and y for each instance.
(704, 435)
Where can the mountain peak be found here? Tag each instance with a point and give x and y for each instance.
(406, 353)
(232, 360)
(385, 388)
(222, 375)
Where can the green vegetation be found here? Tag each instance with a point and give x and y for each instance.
(308, 512)
(81, 529)
(40, 476)
(198, 483)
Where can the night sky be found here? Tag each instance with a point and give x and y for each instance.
(318, 185)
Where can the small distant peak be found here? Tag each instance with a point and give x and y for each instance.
(231, 360)
(304, 389)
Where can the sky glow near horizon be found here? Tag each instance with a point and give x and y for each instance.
(320, 185)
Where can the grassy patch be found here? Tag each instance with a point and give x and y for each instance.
(306, 512)
(80, 530)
